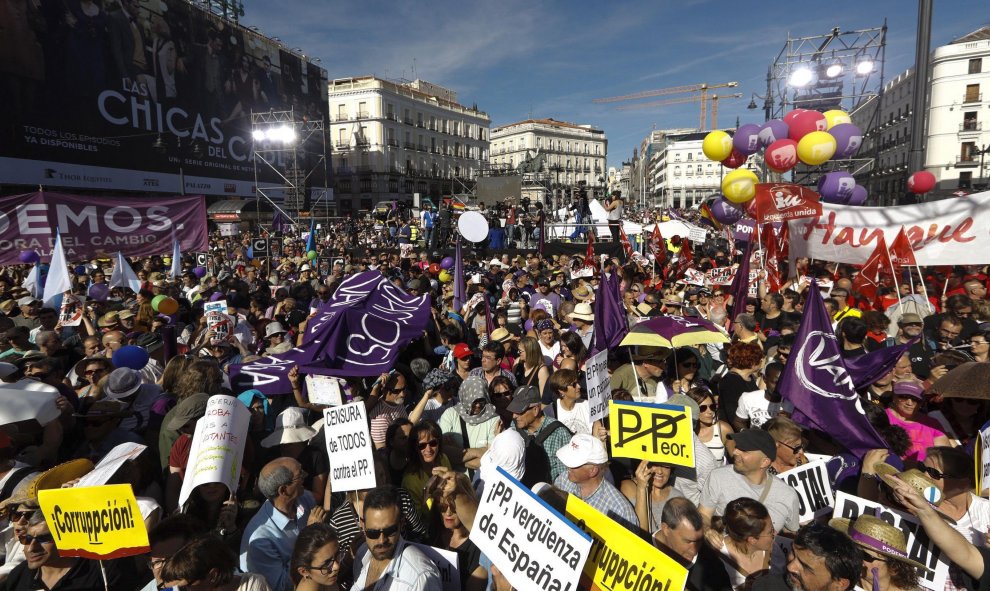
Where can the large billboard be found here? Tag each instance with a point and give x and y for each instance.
(144, 95)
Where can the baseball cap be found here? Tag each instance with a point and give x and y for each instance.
(582, 449)
(462, 351)
(755, 440)
(523, 398)
(908, 389)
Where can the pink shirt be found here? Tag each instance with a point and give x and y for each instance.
(922, 431)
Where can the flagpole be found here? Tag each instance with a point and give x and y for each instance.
(924, 288)
(893, 272)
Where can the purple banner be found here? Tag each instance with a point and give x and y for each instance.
(96, 227)
(358, 333)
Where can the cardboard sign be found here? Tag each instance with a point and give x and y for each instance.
(620, 560)
(694, 277)
(720, 275)
(217, 446)
(96, 522)
(982, 458)
(532, 544)
(599, 386)
(813, 487)
(697, 235)
(349, 447)
(73, 307)
(919, 547)
(323, 390)
(654, 432)
(110, 463)
(26, 400)
(446, 561)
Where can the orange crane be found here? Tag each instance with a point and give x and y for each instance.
(687, 99)
(702, 90)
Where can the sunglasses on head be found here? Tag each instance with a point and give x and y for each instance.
(388, 532)
(430, 443)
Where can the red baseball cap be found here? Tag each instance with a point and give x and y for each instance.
(462, 351)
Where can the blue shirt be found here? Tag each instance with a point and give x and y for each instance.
(266, 546)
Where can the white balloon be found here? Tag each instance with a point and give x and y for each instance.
(473, 226)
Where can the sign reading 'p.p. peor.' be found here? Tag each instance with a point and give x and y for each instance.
(654, 432)
(96, 522)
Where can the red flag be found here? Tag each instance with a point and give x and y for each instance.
(626, 246)
(871, 276)
(589, 255)
(685, 259)
(784, 242)
(658, 246)
(771, 262)
(901, 251)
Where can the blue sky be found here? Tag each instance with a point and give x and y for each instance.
(522, 58)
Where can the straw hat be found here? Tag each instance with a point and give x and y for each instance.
(920, 482)
(108, 319)
(53, 478)
(875, 534)
(583, 311)
(582, 293)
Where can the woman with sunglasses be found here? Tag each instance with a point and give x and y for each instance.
(654, 487)
(531, 369)
(789, 439)
(89, 372)
(682, 372)
(425, 454)
(453, 506)
(315, 561)
(952, 470)
(710, 430)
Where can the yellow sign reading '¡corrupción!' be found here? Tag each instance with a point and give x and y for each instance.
(653, 432)
(96, 522)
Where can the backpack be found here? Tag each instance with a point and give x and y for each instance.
(536, 459)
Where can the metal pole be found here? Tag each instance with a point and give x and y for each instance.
(919, 101)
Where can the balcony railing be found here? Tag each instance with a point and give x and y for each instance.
(409, 146)
(973, 97)
(966, 161)
(392, 142)
(364, 115)
(971, 126)
(407, 120)
(390, 116)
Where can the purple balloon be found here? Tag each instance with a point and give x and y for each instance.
(747, 139)
(131, 356)
(99, 292)
(848, 139)
(447, 263)
(199, 272)
(773, 130)
(725, 212)
(29, 257)
(858, 196)
(836, 187)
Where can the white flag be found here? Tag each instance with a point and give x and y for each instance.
(176, 258)
(32, 282)
(123, 275)
(58, 281)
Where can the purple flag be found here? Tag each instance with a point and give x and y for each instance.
(543, 233)
(280, 223)
(359, 333)
(740, 283)
(868, 368)
(816, 381)
(460, 298)
(611, 325)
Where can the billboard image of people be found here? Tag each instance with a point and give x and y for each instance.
(136, 94)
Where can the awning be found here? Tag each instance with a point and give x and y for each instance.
(236, 210)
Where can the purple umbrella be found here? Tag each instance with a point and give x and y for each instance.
(674, 331)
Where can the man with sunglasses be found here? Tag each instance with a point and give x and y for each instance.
(386, 561)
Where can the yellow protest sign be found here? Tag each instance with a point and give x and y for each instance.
(637, 566)
(654, 432)
(97, 522)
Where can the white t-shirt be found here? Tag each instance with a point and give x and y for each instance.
(754, 407)
(578, 419)
(615, 214)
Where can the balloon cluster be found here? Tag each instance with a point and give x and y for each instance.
(802, 135)
(164, 304)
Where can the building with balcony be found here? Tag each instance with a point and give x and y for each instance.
(572, 152)
(887, 139)
(391, 140)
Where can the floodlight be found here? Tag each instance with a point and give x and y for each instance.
(802, 76)
(833, 70)
(864, 67)
(259, 135)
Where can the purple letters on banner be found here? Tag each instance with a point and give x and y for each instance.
(94, 227)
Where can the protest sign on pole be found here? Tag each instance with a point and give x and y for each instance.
(599, 386)
(349, 447)
(108, 466)
(620, 560)
(73, 306)
(811, 482)
(920, 548)
(323, 390)
(446, 561)
(533, 545)
(95, 522)
(217, 450)
(654, 432)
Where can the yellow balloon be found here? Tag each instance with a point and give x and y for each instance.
(444, 277)
(739, 186)
(836, 117)
(816, 148)
(717, 145)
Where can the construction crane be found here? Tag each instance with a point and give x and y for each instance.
(702, 90)
(686, 99)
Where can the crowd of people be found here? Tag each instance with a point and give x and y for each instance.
(469, 395)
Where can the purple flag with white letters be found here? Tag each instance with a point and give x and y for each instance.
(358, 333)
(611, 325)
(868, 368)
(817, 382)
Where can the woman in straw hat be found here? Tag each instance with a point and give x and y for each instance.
(886, 565)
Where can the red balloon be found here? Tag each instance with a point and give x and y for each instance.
(789, 118)
(805, 123)
(781, 155)
(735, 159)
(921, 182)
(435, 268)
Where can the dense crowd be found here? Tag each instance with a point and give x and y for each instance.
(471, 394)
